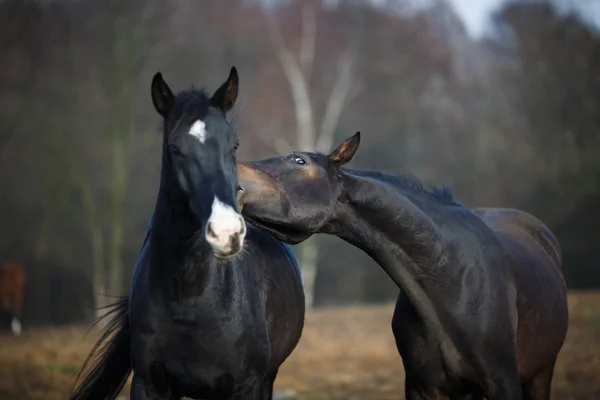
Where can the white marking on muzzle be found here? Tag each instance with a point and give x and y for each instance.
(225, 229)
(15, 326)
(198, 130)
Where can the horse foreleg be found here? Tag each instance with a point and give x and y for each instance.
(504, 388)
(15, 326)
(13, 303)
(6, 302)
(414, 391)
(18, 301)
(141, 391)
(267, 387)
(539, 387)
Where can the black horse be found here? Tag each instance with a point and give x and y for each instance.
(483, 303)
(215, 306)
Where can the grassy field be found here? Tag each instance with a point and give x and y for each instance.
(345, 353)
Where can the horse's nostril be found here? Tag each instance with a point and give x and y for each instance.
(235, 242)
(209, 230)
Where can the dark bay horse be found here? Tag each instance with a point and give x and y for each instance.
(215, 305)
(12, 284)
(483, 305)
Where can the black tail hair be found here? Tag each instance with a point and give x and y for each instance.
(109, 359)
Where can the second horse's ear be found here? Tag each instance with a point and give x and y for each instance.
(225, 96)
(162, 97)
(345, 151)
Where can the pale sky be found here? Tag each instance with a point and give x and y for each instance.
(476, 14)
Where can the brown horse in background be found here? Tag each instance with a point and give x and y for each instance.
(12, 282)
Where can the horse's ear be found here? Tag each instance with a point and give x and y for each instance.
(162, 97)
(345, 151)
(225, 96)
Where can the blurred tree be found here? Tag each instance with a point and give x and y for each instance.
(559, 94)
(125, 33)
(510, 120)
(298, 70)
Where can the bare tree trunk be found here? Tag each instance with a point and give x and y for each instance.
(309, 255)
(117, 226)
(126, 63)
(97, 241)
(298, 71)
(99, 278)
(298, 75)
(94, 217)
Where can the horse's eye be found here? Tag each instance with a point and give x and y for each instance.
(236, 145)
(174, 150)
(299, 161)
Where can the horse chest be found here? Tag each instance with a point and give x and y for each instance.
(435, 363)
(222, 347)
(431, 358)
(213, 340)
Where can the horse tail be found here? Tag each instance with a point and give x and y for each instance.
(110, 358)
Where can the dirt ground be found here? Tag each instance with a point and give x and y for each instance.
(345, 353)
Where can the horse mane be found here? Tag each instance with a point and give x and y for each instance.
(410, 182)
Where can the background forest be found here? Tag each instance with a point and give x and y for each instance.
(509, 116)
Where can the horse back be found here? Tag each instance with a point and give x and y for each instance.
(520, 232)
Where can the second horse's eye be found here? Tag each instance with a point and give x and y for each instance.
(299, 161)
(236, 145)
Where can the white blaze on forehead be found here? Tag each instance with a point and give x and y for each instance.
(224, 222)
(198, 130)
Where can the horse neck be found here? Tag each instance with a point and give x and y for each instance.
(383, 215)
(178, 249)
(392, 229)
(172, 214)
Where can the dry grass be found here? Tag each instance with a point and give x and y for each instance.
(345, 353)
